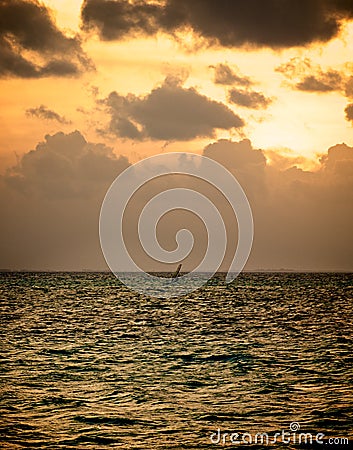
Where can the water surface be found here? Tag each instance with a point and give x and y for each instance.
(86, 363)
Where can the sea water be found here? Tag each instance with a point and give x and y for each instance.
(87, 363)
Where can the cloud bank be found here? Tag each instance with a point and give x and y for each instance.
(51, 201)
(227, 23)
(65, 166)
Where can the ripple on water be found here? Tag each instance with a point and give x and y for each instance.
(85, 363)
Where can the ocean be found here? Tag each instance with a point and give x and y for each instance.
(88, 364)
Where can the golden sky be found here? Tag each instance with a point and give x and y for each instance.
(263, 87)
(306, 122)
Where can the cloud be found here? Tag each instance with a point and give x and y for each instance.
(247, 163)
(349, 112)
(51, 201)
(236, 155)
(168, 112)
(222, 22)
(339, 161)
(245, 97)
(225, 75)
(303, 219)
(349, 87)
(304, 75)
(42, 112)
(285, 158)
(327, 82)
(31, 45)
(116, 19)
(248, 99)
(65, 166)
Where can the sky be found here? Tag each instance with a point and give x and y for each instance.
(90, 87)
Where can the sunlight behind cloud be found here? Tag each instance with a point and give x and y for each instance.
(67, 12)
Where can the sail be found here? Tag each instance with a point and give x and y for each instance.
(176, 273)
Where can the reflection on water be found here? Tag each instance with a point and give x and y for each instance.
(86, 363)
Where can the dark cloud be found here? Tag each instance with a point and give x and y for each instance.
(225, 75)
(117, 19)
(66, 166)
(349, 88)
(304, 75)
(349, 112)
(42, 112)
(245, 97)
(31, 46)
(327, 82)
(224, 22)
(169, 112)
(248, 99)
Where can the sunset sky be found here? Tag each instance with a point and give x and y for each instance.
(132, 79)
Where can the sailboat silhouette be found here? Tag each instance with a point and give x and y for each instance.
(176, 273)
